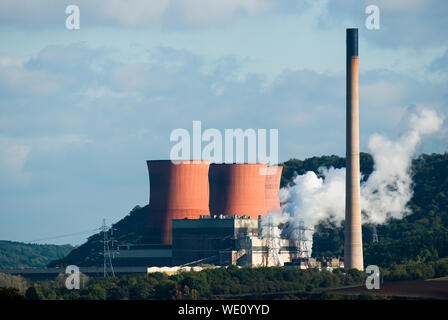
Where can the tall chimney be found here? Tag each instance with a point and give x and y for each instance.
(353, 256)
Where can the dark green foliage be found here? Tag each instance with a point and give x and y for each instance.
(12, 281)
(232, 283)
(217, 283)
(295, 166)
(10, 294)
(424, 268)
(328, 240)
(18, 254)
(130, 229)
(32, 294)
(421, 235)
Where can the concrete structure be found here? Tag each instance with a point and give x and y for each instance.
(226, 240)
(177, 191)
(321, 263)
(272, 187)
(217, 189)
(159, 255)
(353, 255)
(331, 263)
(176, 270)
(238, 189)
(258, 252)
(303, 263)
(204, 238)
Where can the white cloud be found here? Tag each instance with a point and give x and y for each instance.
(136, 13)
(54, 142)
(13, 156)
(401, 6)
(417, 24)
(129, 14)
(8, 61)
(17, 79)
(383, 92)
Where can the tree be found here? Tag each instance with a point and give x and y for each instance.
(10, 294)
(32, 294)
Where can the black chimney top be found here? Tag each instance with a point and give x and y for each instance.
(352, 42)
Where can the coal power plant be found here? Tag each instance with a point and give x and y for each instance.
(203, 213)
(208, 213)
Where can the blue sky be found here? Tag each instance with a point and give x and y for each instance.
(81, 110)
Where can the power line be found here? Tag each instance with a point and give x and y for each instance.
(374, 235)
(107, 261)
(65, 235)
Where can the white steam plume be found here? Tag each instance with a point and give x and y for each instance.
(386, 192)
(388, 189)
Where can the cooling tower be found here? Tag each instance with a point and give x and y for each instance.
(353, 255)
(176, 192)
(272, 186)
(238, 189)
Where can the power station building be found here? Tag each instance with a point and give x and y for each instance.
(225, 240)
(205, 238)
(208, 213)
(218, 240)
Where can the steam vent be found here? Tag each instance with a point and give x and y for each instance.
(353, 255)
(176, 192)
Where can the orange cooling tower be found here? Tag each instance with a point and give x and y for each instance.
(238, 189)
(176, 192)
(273, 177)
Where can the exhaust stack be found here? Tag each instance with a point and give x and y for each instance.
(353, 255)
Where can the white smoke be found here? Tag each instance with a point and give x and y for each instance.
(389, 187)
(313, 198)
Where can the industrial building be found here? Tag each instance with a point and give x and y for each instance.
(225, 240)
(202, 213)
(307, 262)
(208, 213)
(218, 240)
(206, 237)
(211, 213)
(143, 255)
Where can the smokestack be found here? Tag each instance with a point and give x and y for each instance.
(353, 256)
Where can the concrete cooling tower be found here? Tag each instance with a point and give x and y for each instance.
(238, 189)
(272, 187)
(176, 192)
